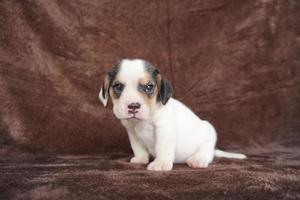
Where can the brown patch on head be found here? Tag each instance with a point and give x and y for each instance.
(164, 86)
(150, 100)
(112, 94)
(145, 79)
(158, 81)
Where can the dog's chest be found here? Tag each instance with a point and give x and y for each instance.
(146, 134)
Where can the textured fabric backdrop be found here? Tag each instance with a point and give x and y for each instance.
(235, 63)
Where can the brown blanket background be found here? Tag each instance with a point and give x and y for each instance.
(235, 63)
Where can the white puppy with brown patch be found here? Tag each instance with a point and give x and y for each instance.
(158, 125)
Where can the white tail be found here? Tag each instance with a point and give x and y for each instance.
(224, 154)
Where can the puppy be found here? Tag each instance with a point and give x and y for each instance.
(157, 124)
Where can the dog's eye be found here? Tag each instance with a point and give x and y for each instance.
(149, 88)
(118, 87)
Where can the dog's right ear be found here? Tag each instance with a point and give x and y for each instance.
(108, 79)
(104, 92)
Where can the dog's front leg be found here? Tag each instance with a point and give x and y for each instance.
(141, 155)
(164, 150)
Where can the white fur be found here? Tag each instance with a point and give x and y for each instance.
(219, 153)
(103, 100)
(170, 133)
(130, 71)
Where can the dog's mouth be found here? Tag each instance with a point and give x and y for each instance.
(131, 117)
(133, 114)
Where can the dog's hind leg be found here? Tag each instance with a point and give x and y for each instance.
(201, 157)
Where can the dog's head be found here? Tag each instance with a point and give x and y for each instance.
(136, 88)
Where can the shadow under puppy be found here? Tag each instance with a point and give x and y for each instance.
(157, 124)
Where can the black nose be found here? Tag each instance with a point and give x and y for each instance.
(134, 106)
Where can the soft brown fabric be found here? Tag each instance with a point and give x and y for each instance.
(235, 63)
(267, 175)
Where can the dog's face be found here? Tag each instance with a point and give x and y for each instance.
(135, 87)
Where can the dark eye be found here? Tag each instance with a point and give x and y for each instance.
(149, 88)
(118, 87)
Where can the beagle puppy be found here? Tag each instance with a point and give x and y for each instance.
(157, 124)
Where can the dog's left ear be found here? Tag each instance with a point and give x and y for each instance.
(165, 89)
(104, 92)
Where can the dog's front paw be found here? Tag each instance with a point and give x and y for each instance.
(160, 165)
(140, 160)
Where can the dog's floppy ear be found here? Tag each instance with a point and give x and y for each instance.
(109, 77)
(165, 89)
(104, 92)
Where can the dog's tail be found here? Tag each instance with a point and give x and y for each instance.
(224, 154)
